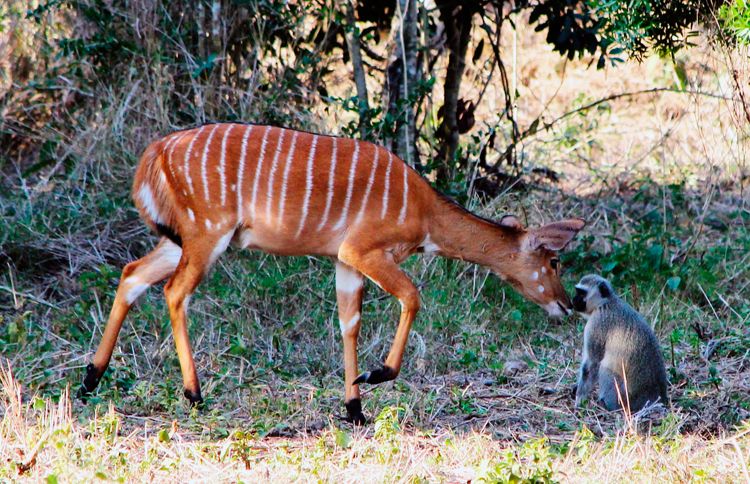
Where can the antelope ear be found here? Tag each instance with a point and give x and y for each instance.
(511, 221)
(555, 236)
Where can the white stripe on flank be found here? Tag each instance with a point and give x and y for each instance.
(349, 187)
(241, 171)
(287, 167)
(204, 176)
(186, 164)
(308, 185)
(331, 176)
(191, 214)
(370, 182)
(149, 204)
(258, 168)
(387, 186)
(405, 200)
(177, 140)
(271, 176)
(222, 165)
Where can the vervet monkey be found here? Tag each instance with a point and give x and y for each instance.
(620, 350)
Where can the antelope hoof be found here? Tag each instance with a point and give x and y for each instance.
(354, 412)
(386, 373)
(90, 382)
(195, 398)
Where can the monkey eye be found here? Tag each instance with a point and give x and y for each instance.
(580, 292)
(554, 263)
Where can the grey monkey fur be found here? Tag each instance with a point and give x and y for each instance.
(617, 337)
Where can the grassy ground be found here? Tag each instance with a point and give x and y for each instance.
(485, 391)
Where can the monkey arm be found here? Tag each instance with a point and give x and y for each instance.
(593, 352)
(587, 375)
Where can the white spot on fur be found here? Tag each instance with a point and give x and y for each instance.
(544, 270)
(540, 288)
(221, 246)
(209, 226)
(535, 276)
(234, 187)
(191, 214)
(347, 280)
(147, 199)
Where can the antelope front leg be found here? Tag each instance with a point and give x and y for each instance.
(349, 289)
(380, 267)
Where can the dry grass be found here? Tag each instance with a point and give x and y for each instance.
(40, 438)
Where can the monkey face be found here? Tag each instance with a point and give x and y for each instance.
(579, 300)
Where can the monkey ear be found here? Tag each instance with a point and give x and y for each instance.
(604, 290)
(511, 221)
(556, 235)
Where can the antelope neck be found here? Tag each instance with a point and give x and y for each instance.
(459, 234)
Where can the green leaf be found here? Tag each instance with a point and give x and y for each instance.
(674, 282)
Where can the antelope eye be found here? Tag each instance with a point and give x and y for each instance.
(554, 263)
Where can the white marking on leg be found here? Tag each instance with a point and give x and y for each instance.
(191, 214)
(347, 280)
(247, 238)
(534, 276)
(221, 246)
(308, 185)
(429, 246)
(272, 175)
(370, 182)
(349, 187)
(209, 226)
(149, 204)
(347, 326)
(405, 200)
(222, 165)
(287, 167)
(171, 253)
(204, 159)
(258, 168)
(241, 171)
(387, 186)
(331, 179)
(188, 152)
(135, 290)
(540, 288)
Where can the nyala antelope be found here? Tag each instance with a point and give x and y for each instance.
(296, 193)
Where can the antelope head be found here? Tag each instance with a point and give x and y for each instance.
(534, 268)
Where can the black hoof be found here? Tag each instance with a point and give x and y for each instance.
(195, 398)
(90, 381)
(354, 412)
(386, 373)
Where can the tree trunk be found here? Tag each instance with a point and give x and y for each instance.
(457, 22)
(402, 77)
(352, 42)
